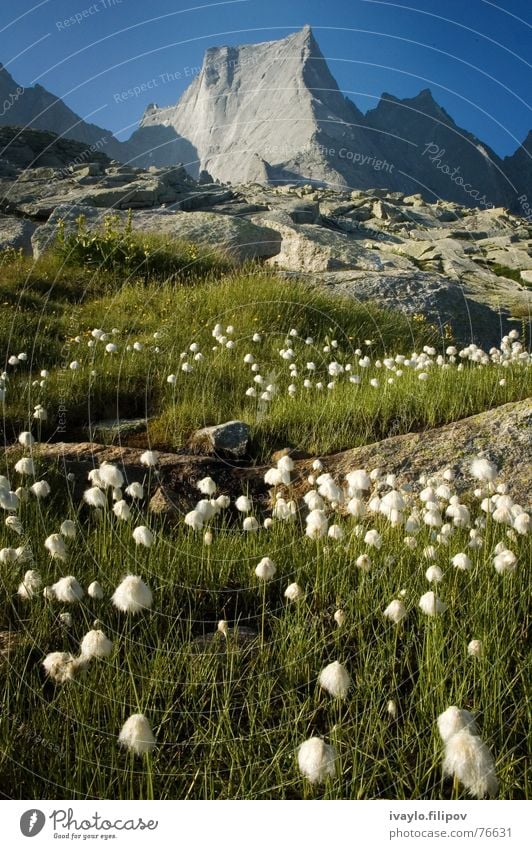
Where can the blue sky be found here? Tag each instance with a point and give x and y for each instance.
(475, 55)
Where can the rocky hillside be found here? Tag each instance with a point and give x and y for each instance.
(273, 113)
(467, 269)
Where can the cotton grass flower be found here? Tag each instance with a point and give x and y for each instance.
(462, 562)
(68, 590)
(41, 489)
(136, 735)
(30, 585)
(25, 466)
(55, 544)
(317, 760)
(391, 709)
(194, 520)
(243, 504)
(68, 528)
(62, 666)
(122, 510)
(395, 612)
(135, 490)
(96, 644)
(373, 539)
(474, 648)
(111, 475)
(316, 522)
(149, 458)
(483, 470)
(94, 497)
(266, 569)
(95, 591)
(505, 561)
(26, 439)
(143, 536)
(434, 574)
(470, 761)
(453, 720)
(132, 595)
(339, 617)
(207, 486)
(335, 679)
(293, 592)
(14, 524)
(431, 605)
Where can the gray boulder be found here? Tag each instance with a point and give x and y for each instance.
(238, 238)
(230, 439)
(16, 233)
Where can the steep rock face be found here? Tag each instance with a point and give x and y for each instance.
(37, 108)
(272, 105)
(519, 170)
(434, 156)
(273, 112)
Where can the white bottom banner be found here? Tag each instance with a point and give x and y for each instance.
(258, 825)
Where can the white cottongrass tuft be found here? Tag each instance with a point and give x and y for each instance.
(149, 458)
(62, 666)
(373, 539)
(111, 475)
(207, 486)
(68, 528)
(68, 590)
(266, 569)
(194, 520)
(40, 489)
(26, 439)
(293, 592)
(483, 469)
(250, 524)
(339, 617)
(30, 585)
(14, 524)
(132, 595)
(434, 574)
(136, 735)
(135, 490)
(396, 611)
(316, 524)
(55, 544)
(335, 679)
(462, 562)
(94, 497)
(453, 720)
(471, 762)
(431, 605)
(391, 709)
(143, 536)
(25, 466)
(122, 510)
(96, 644)
(474, 648)
(243, 504)
(317, 760)
(95, 591)
(505, 561)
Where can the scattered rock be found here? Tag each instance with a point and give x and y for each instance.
(230, 439)
(16, 233)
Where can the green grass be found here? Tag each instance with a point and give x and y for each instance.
(228, 724)
(50, 304)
